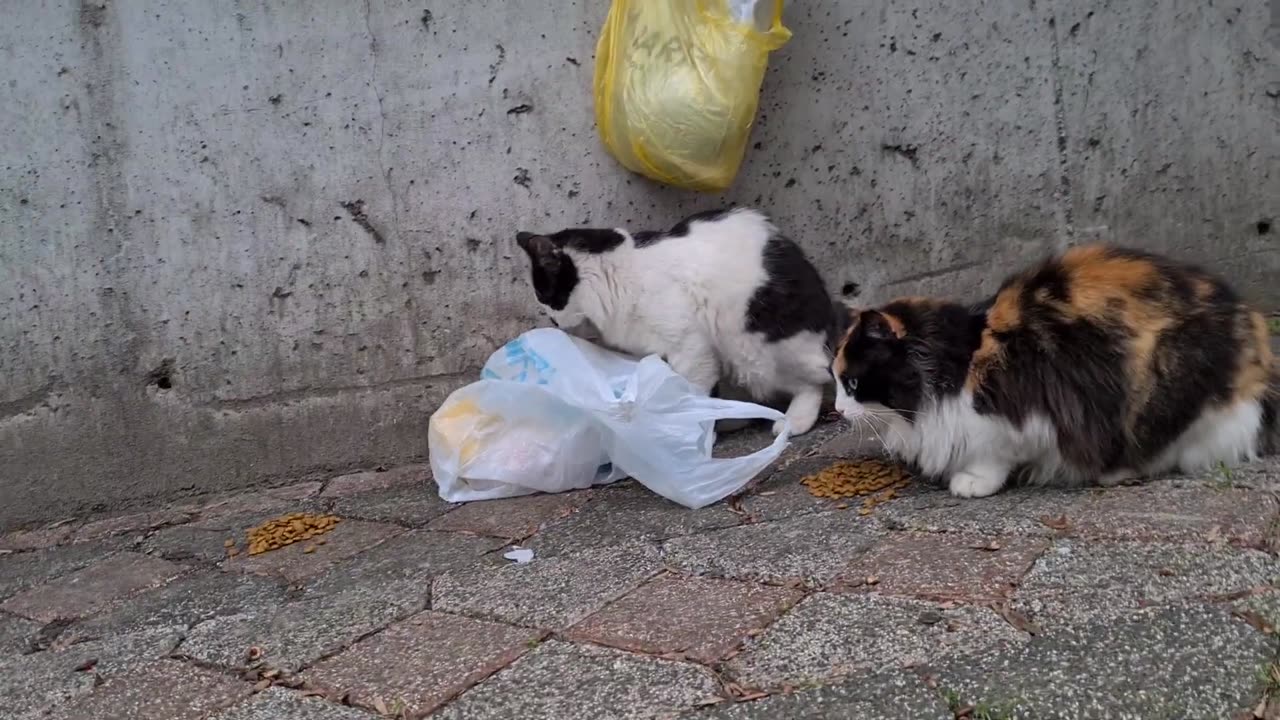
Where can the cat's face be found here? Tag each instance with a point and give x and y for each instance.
(873, 371)
(555, 279)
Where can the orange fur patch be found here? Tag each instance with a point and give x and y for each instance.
(1255, 359)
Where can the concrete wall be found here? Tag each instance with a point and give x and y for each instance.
(246, 241)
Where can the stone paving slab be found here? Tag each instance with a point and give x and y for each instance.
(885, 696)
(16, 634)
(828, 636)
(23, 570)
(698, 618)
(1158, 511)
(36, 538)
(512, 518)
(1017, 511)
(782, 496)
(811, 549)
(405, 476)
(304, 559)
(649, 518)
(576, 682)
(639, 596)
(1079, 581)
(129, 524)
(92, 588)
(416, 665)
(945, 566)
(160, 690)
(551, 593)
(1168, 663)
(403, 566)
(30, 684)
(276, 703)
(413, 506)
(188, 601)
(270, 501)
(279, 703)
(297, 634)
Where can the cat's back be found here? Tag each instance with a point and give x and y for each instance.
(1162, 320)
(715, 242)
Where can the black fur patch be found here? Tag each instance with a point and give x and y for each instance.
(944, 335)
(592, 241)
(681, 228)
(793, 299)
(553, 272)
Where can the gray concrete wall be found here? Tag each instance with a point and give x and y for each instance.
(188, 302)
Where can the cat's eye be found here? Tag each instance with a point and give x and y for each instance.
(850, 385)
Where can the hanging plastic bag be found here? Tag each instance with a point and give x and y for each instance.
(553, 413)
(677, 83)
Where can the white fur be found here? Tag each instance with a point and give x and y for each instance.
(976, 453)
(686, 298)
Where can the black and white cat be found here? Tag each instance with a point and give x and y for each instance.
(721, 294)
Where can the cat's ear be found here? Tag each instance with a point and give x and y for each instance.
(537, 246)
(878, 326)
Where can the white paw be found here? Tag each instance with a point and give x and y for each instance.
(780, 425)
(975, 485)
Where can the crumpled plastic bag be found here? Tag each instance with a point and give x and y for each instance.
(553, 413)
(677, 83)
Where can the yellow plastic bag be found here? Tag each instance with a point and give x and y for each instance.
(677, 83)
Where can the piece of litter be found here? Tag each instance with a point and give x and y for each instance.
(519, 555)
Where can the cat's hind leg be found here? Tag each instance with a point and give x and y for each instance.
(1225, 435)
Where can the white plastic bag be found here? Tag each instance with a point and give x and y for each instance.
(555, 413)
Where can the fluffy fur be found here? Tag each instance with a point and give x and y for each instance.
(722, 294)
(1101, 365)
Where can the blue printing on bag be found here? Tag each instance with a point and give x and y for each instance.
(518, 355)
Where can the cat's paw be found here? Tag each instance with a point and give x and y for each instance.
(968, 484)
(779, 426)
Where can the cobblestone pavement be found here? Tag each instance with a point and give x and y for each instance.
(1155, 601)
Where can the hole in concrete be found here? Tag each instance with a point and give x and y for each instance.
(850, 289)
(1264, 226)
(162, 376)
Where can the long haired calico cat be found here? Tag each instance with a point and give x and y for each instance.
(1101, 365)
(721, 293)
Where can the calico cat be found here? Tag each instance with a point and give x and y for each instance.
(1100, 365)
(722, 293)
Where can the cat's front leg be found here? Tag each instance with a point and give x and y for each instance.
(980, 479)
(696, 362)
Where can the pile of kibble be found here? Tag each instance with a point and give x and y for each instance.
(287, 530)
(875, 481)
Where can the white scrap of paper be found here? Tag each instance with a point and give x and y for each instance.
(519, 555)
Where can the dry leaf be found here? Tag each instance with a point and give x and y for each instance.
(754, 695)
(380, 706)
(1257, 621)
(992, 546)
(842, 506)
(1016, 619)
(873, 580)
(261, 685)
(1165, 572)
(1215, 534)
(1055, 523)
(710, 700)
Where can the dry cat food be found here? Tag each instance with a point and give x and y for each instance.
(282, 531)
(876, 481)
